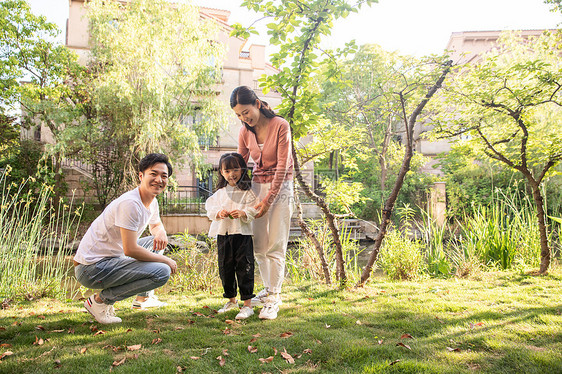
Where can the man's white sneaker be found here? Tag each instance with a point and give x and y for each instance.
(151, 302)
(260, 297)
(103, 313)
(228, 306)
(270, 308)
(245, 312)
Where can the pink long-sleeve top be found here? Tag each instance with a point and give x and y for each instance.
(275, 163)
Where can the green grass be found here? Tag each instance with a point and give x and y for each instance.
(504, 322)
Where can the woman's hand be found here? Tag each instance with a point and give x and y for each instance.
(223, 214)
(262, 208)
(238, 214)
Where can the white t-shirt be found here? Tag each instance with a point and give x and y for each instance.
(231, 198)
(103, 238)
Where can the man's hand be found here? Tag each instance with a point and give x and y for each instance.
(262, 208)
(172, 264)
(160, 241)
(238, 214)
(223, 214)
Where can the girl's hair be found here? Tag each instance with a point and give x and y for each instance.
(244, 95)
(234, 161)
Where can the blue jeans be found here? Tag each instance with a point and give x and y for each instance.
(123, 277)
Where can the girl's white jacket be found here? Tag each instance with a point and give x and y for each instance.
(231, 198)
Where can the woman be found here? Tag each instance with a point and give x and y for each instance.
(267, 138)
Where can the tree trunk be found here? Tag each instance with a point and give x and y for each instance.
(389, 204)
(312, 237)
(330, 218)
(545, 250)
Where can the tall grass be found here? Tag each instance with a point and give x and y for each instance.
(34, 242)
(303, 262)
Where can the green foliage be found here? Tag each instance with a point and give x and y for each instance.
(400, 257)
(35, 234)
(155, 68)
(197, 270)
(303, 261)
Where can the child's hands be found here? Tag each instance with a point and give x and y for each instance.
(223, 214)
(238, 214)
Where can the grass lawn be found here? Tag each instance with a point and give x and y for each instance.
(501, 323)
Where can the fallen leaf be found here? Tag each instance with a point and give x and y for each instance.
(117, 363)
(156, 331)
(274, 351)
(58, 364)
(41, 317)
(205, 307)
(229, 322)
(83, 350)
(99, 332)
(393, 362)
(253, 340)
(5, 345)
(439, 319)
(287, 356)
(93, 328)
(226, 331)
(225, 352)
(318, 341)
(195, 358)
(408, 336)
(39, 327)
(308, 351)
(38, 341)
(252, 349)
(179, 328)
(222, 361)
(328, 326)
(266, 360)
(6, 354)
(380, 341)
(257, 335)
(404, 345)
(310, 298)
(129, 330)
(58, 330)
(287, 334)
(198, 314)
(358, 322)
(156, 340)
(135, 347)
(70, 331)
(453, 349)
(2, 329)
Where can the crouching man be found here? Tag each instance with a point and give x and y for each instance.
(109, 256)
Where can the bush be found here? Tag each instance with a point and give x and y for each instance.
(401, 258)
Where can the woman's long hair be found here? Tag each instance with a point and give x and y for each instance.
(234, 161)
(244, 95)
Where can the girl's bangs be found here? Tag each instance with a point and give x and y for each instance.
(230, 162)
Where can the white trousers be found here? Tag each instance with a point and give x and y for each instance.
(271, 234)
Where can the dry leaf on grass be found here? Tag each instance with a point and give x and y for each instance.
(5, 345)
(83, 350)
(41, 317)
(117, 363)
(253, 340)
(99, 332)
(229, 322)
(287, 356)
(380, 341)
(257, 335)
(266, 360)
(62, 330)
(404, 345)
(156, 340)
(6, 354)
(39, 327)
(226, 331)
(307, 351)
(274, 351)
(195, 357)
(406, 336)
(252, 349)
(222, 361)
(225, 352)
(38, 341)
(393, 362)
(453, 349)
(328, 326)
(287, 334)
(135, 347)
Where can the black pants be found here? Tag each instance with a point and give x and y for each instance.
(236, 265)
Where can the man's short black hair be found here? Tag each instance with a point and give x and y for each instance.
(152, 159)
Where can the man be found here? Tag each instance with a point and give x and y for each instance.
(109, 256)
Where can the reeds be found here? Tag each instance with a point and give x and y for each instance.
(34, 242)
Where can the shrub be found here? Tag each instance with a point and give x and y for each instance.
(401, 258)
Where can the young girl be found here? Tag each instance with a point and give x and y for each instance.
(230, 210)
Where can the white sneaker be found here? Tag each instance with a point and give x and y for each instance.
(245, 312)
(151, 302)
(270, 308)
(228, 306)
(260, 297)
(103, 313)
